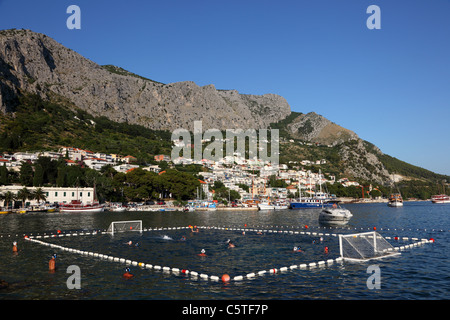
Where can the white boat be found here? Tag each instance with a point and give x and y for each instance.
(76, 206)
(335, 214)
(395, 200)
(116, 207)
(440, 198)
(266, 205)
(279, 205)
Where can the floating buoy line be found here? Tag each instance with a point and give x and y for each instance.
(295, 230)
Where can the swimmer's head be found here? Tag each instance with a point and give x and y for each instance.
(54, 256)
(127, 269)
(14, 243)
(295, 248)
(203, 251)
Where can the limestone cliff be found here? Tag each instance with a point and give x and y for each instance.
(33, 62)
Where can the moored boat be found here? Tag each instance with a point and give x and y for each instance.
(76, 206)
(395, 200)
(334, 214)
(116, 207)
(440, 198)
(266, 205)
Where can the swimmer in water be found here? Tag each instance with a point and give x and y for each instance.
(127, 274)
(183, 238)
(203, 253)
(52, 263)
(14, 249)
(325, 250)
(297, 249)
(130, 243)
(230, 244)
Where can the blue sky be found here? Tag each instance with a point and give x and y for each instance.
(391, 86)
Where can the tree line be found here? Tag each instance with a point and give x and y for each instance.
(135, 185)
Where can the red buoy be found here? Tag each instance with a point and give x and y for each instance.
(225, 278)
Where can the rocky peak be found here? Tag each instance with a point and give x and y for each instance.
(313, 127)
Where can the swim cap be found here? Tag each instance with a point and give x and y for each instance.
(203, 251)
(127, 269)
(54, 255)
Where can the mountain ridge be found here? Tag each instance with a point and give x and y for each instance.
(33, 63)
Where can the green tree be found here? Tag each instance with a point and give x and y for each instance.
(61, 180)
(24, 194)
(3, 175)
(38, 178)
(8, 198)
(26, 174)
(39, 195)
(276, 183)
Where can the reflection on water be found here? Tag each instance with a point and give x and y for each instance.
(408, 276)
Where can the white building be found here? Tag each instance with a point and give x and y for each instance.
(55, 194)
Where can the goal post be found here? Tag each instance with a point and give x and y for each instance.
(364, 246)
(125, 226)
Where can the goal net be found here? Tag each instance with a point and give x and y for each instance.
(125, 226)
(364, 246)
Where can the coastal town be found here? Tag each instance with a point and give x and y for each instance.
(248, 179)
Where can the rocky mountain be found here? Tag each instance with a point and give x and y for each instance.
(312, 127)
(35, 63)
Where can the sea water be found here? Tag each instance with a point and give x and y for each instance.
(421, 272)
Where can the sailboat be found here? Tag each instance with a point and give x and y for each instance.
(77, 206)
(318, 201)
(395, 199)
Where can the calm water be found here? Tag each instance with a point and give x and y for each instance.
(418, 273)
